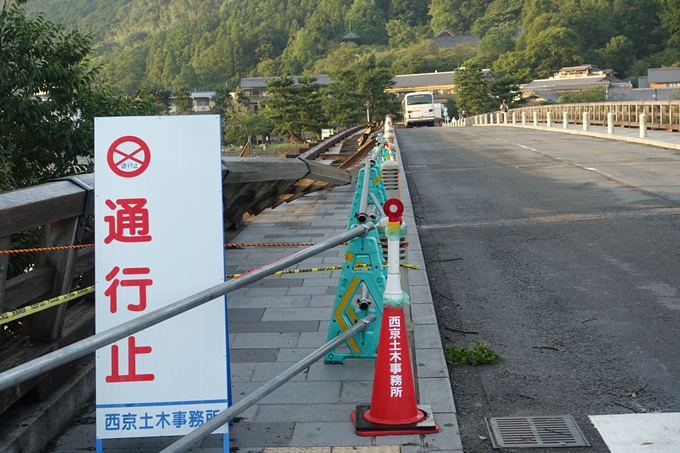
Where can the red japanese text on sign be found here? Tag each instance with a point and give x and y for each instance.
(142, 283)
(133, 352)
(131, 222)
(394, 325)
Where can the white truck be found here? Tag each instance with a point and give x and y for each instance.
(419, 109)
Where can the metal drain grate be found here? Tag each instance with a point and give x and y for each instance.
(530, 432)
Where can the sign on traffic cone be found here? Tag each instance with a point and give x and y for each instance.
(393, 409)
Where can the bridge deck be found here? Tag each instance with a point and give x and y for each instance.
(279, 320)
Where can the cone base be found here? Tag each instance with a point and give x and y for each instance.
(365, 428)
(369, 417)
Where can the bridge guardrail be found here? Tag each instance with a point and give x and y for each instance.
(660, 115)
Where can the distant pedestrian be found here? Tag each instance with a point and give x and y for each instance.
(504, 106)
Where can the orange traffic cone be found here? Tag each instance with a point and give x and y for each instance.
(393, 409)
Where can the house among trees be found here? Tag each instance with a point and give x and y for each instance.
(574, 78)
(256, 88)
(447, 39)
(203, 101)
(660, 78)
(660, 84)
(440, 84)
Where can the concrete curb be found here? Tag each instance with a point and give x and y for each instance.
(432, 374)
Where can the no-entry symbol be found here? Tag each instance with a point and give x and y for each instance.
(128, 156)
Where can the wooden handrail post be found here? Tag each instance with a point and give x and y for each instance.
(47, 325)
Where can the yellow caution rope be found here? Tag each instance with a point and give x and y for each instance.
(44, 305)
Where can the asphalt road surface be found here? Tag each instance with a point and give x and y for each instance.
(561, 253)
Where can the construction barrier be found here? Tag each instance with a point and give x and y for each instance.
(364, 274)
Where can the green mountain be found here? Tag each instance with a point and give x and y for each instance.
(205, 44)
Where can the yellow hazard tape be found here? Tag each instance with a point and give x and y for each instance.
(297, 271)
(44, 305)
(323, 269)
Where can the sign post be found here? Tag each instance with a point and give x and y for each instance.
(159, 238)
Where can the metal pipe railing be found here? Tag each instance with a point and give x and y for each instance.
(376, 153)
(223, 417)
(64, 355)
(362, 215)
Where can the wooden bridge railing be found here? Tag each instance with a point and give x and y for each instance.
(60, 209)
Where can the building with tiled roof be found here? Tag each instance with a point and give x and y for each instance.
(440, 84)
(256, 87)
(584, 70)
(568, 84)
(249, 84)
(351, 37)
(569, 79)
(660, 78)
(627, 93)
(202, 102)
(445, 39)
(660, 84)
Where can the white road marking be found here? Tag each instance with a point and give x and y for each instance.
(525, 147)
(607, 175)
(639, 433)
(595, 170)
